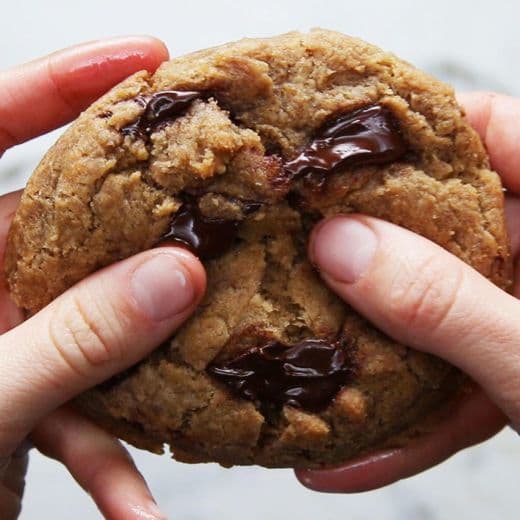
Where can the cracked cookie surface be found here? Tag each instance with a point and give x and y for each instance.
(118, 181)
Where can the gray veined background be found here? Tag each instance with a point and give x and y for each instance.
(474, 45)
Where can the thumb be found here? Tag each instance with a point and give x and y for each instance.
(425, 297)
(99, 327)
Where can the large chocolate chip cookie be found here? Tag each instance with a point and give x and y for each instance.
(236, 152)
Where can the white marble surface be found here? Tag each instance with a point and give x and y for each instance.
(474, 44)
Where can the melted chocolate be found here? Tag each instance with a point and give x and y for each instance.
(367, 136)
(160, 108)
(206, 237)
(249, 206)
(307, 375)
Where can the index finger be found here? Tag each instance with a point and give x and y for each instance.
(46, 93)
(496, 118)
(473, 419)
(99, 463)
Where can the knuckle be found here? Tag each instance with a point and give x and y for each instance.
(84, 335)
(421, 297)
(7, 137)
(54, 80)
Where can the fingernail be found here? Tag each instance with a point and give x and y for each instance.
(343, 248)
(162, 287)
(150, 512)
(357, 475)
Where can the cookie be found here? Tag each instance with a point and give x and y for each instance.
(236, 152)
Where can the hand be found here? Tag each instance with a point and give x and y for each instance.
(99, 327)
(423, 296)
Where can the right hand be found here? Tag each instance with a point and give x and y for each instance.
(425, 297)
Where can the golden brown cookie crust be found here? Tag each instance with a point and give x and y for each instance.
(99, 196)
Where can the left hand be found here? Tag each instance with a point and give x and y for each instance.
(36, 98)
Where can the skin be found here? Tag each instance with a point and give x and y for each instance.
(99, 327)
(425, 297)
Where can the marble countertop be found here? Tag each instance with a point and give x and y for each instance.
(472, 44)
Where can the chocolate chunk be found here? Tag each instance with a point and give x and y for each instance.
(206, 237)
(160, 108)
(307, 375)
(249, 206)
(367, 136)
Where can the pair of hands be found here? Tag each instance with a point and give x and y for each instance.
(412, 289)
